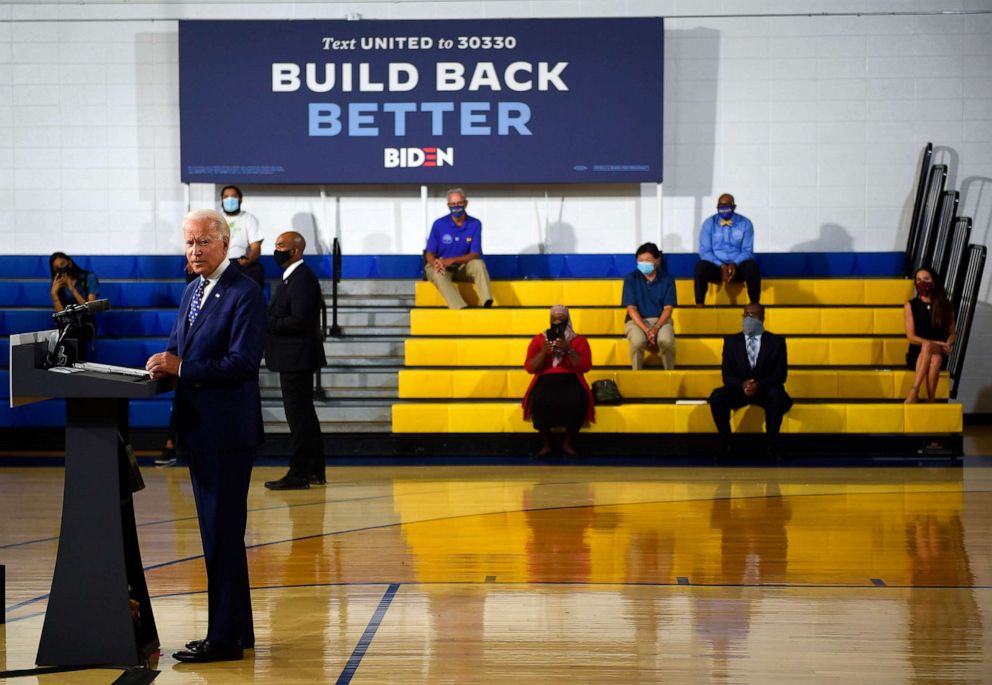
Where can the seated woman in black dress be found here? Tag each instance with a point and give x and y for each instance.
(558, 394)
(930, 330)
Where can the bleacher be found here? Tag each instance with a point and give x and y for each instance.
(463, 370)
(846, 353)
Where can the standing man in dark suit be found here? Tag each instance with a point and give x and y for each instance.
(755, 366)
(294, 348)
(215, 350)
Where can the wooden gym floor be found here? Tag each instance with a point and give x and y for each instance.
(563, 574)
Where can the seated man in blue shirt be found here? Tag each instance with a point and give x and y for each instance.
(454, 253)
(726, 251)
(649, 296)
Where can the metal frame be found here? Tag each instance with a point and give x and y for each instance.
(966, 314)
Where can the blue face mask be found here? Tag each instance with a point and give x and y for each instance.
(753, 326)
(457, 210)
(725, 212)
(646, 268)
(230, 204)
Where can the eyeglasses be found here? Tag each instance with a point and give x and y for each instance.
(725, 208)
(454, 206)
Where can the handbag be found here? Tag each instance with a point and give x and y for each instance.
(606, 392)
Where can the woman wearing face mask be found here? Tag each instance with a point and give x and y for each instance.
(649, 296)
(930, 331)
(558, 395)
(72, 285)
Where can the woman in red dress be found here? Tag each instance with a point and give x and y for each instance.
(558, 394)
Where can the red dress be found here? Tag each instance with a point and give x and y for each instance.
(580, 345)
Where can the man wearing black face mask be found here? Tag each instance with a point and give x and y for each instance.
(755, 366)
(294, 348)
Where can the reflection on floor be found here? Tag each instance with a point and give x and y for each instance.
(568, 574)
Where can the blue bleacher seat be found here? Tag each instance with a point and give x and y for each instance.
(776, 264)
(150, 413)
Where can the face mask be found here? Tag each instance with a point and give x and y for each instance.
(924, 288)
(457, 210)
(725, 212)
(230, 204)
(753, 326)
(282, 256)
(646, 268)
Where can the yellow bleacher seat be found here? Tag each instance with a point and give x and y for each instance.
(840, 418)
(607, 292)
(823, 384)
(687, 321)
(818, 351)
(832, 325)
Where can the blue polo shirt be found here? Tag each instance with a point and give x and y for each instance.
(726, 244)
(448, 239)
(650, 297)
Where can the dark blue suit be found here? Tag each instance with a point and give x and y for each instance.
(218, 416)
(770, 370)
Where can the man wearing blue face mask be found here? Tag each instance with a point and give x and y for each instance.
(649, 296)
(726, 251)
(246, 236)
(755, 366)
(454, 253)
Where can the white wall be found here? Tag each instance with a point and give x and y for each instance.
(815, 123)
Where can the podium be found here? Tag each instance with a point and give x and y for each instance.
(98, 568)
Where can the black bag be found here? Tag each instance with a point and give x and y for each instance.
(606, 392)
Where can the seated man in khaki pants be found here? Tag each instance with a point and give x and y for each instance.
(649, 296)
(454, 253)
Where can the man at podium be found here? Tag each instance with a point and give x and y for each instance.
(215, 351)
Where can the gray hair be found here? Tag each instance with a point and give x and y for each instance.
(456, 191)
(216, 220)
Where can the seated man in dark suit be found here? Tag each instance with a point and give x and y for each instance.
(295, 349)
(215, 351)
(755, 365)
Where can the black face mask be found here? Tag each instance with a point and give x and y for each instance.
(282, 256)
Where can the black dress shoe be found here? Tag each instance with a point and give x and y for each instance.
(288, 483)
(198, 644)
(317, 480)
(207, 652)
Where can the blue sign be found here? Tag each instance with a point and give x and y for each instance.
(488, 101)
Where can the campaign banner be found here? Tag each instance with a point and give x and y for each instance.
(447, 101)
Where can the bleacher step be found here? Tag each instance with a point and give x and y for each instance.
(371, 348)
(336, 416)
(372, 287)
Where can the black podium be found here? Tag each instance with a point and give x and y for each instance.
(98, 569)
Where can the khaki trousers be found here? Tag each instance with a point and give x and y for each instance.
(474, 271)
(638, 341)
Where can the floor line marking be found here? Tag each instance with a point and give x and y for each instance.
(363, 643)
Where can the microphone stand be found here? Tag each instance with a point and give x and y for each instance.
(70, 319)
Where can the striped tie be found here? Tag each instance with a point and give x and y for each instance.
(194, 306)
(752, 350)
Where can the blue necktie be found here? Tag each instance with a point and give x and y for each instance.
(752, 350)
(194, 306)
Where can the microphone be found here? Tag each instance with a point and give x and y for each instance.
(97, 306)
(86, 308)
